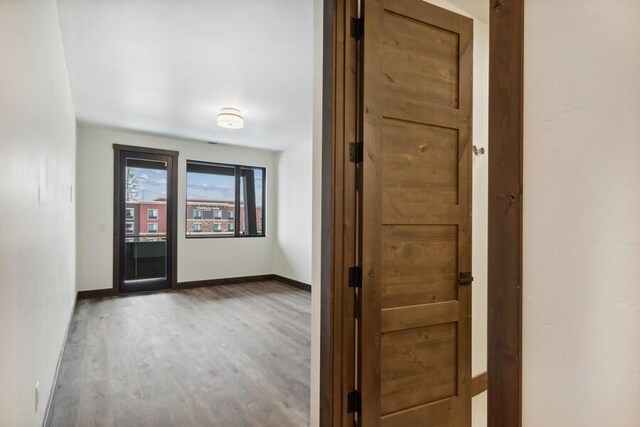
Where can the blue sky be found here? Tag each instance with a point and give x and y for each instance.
(204, 186)
(152, 184)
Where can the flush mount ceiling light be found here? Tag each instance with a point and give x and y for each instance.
(230, 118)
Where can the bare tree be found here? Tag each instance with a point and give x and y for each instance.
(133, 187)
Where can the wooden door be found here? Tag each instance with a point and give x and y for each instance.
(415, 345)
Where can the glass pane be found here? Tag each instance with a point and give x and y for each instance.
(211, 191)
(251, 206)
(146, 220)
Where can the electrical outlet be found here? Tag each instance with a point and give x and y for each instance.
(37, 395)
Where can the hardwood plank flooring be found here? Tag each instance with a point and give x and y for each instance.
(233, 355)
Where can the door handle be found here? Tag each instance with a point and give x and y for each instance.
(465, 278)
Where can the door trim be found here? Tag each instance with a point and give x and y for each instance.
(506, 70)
(172, 206)
(506, 101)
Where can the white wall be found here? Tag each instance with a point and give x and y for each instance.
(480, 217)
(198, 259)
(37, 232)
(582, 214)
(293, 258)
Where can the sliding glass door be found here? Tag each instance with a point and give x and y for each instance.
(145, 231)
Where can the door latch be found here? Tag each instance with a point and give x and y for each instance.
(465, 278)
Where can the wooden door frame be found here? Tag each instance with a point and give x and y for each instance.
(172, 207)
(504, 344)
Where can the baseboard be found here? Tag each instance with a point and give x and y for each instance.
(296, 283)
(479, 384)
(223, 281)
(102, 293)
(96, 293)
(47, 410)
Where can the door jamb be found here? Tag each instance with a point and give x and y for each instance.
(505, 214)
(506, 103)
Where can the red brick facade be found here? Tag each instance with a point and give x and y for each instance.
(204, 218)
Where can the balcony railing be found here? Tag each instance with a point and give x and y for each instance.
(145, 257)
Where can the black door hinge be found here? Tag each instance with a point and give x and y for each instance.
(356, 152)
(357, 28)
(355, 277)
(354, 402)
(465, 278)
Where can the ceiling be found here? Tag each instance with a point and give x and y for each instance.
(168, 67)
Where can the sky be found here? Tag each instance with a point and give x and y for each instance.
(204, 186)
(152, 185)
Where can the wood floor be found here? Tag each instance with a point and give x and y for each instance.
(234, 355)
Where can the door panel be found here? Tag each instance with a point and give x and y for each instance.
(413, 256)
(416, 216)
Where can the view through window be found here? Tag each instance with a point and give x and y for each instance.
(224, 200)
(146, 219)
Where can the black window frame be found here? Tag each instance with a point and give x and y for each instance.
(238, 174)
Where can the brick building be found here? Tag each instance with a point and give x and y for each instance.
(216, 218)
(149, 219)
(146, 219)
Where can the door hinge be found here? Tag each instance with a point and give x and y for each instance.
(357, 28)
(354, 402)
(356, 152)
(465, 278)
(355, 277)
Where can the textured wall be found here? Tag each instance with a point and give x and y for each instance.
(582, 214)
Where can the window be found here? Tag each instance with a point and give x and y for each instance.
(152, 213)
(233, 194)
(197, 228)
(251, 201)
(130, 213)
(129, 227)
(152, 227)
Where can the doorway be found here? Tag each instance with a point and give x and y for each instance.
(145, 218)
(355, 390)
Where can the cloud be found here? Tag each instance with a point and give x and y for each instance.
(211, 187)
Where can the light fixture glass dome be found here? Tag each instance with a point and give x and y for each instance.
(230, 118)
